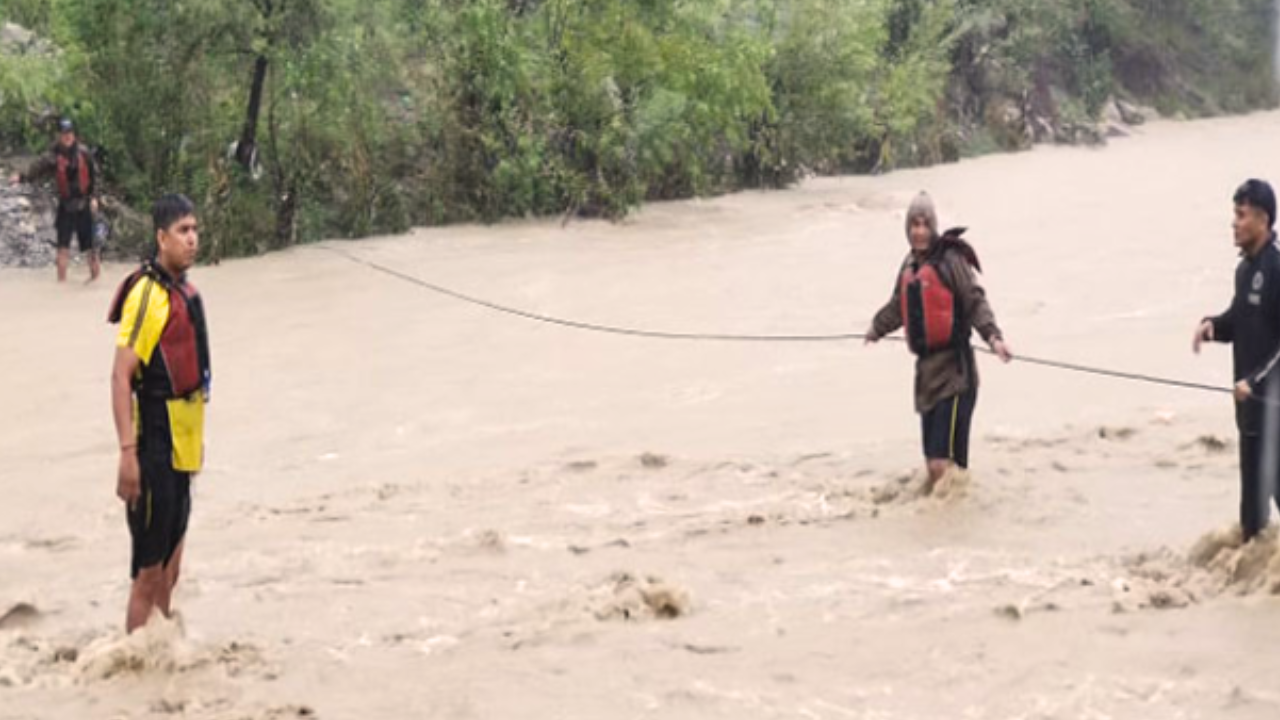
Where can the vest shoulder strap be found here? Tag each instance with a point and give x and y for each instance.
(122, 295)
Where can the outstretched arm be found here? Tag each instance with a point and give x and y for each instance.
(889, 319)
(44, 167)
(976, 307)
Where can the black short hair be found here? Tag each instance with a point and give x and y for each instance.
(1258, 194)
(170, 209)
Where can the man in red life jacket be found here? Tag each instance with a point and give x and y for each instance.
(159, 387)
(71, 165)
(939, 301)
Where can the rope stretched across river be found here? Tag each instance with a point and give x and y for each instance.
(730, 337)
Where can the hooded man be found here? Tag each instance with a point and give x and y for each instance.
(938, 300)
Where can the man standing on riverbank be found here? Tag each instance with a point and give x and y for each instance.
(71, 164)
(1252, 326)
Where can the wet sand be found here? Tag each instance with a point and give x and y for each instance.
(416, 508)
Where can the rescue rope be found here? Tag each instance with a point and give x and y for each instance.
(726, 337)
(592, 327)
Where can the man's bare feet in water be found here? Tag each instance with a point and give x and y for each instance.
(95, 268)
(953, 483)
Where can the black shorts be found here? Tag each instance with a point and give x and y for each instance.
(158, 521)
(946, 428)
(78, 223)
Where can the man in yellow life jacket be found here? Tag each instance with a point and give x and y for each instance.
(159, 388)
(71, 165)
(939, 301)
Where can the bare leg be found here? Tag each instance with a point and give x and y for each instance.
(64, 259)
(95, 265)
(938, 469)
(164, 600)
(143, 595)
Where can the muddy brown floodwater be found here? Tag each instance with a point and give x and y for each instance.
(415, 508)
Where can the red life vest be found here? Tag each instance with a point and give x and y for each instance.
(180, 366)
(931, 312)
(82, 176)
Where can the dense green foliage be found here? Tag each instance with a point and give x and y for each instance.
(381, 114)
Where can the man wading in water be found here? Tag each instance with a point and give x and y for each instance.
(938, 299)
(1252, 326)
(159, 387)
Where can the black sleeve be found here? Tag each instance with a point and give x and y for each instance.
(1224, 325)
(45, 166)
(1272, 298)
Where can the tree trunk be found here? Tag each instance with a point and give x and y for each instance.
(247, 148)
(287, 219)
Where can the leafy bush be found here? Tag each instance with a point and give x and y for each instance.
(377, 115)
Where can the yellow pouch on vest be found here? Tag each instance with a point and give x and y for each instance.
(186, 423)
